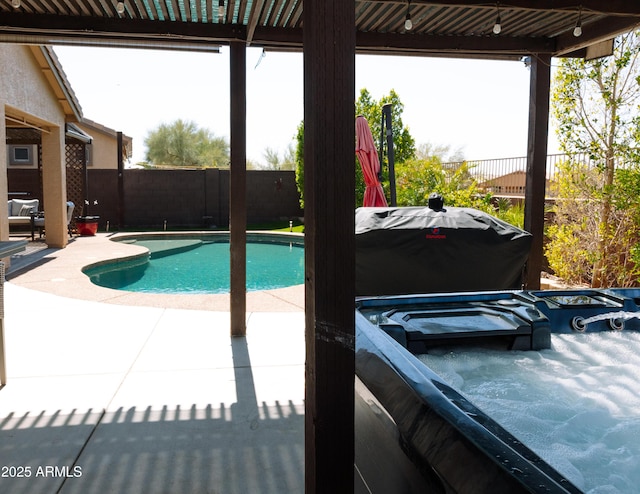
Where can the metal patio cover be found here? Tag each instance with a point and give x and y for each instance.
(454, 28)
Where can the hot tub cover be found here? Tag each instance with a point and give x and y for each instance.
(422, 250)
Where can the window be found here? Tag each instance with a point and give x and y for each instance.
(22, 155)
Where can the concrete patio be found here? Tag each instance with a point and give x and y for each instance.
(113, 393)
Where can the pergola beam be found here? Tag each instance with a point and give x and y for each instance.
(256, 9)
(48, 29)
(181, 36)
(109, 29)
(595, 33)
(445, 45)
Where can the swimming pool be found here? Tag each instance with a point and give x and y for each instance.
(199, 264)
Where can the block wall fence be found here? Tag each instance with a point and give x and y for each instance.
(181, 198)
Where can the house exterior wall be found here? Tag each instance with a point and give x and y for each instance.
(24, 87)
(26, 93)
(511, 185)
(104, 149)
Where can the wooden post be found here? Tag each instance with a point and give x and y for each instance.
(120, 182)
(238, 189)
(329, 151)
(540, 82)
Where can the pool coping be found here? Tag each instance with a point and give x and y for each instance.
(60, 272)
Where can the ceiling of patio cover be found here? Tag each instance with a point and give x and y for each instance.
(422, 250)
(370, 164)
(454, 28)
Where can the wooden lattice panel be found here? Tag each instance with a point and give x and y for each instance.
(75, 156)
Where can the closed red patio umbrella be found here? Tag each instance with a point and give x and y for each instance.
(368, 158)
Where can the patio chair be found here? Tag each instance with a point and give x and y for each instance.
(21, 212)
(38, 221)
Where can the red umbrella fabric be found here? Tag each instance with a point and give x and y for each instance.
(368, 158)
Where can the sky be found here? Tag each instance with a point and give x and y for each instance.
(477, 107)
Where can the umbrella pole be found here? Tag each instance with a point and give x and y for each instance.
(381, 151)
(386, 116)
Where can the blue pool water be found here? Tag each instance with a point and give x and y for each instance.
(203, 268)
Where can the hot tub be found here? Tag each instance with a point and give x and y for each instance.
(417, 431)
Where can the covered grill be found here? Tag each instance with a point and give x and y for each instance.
(436, 249)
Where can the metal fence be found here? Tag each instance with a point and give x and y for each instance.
(507, 176)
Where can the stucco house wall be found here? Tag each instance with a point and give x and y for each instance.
(31, 93)
(24, 88)
(36, 95)
(103, 150)
(104, 145)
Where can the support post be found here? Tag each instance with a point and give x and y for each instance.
(238, 189)
(3, 361)
(388, 117)
(120, 182)
(4, 182)
(534, 200)
(329, 120)
(54, 180)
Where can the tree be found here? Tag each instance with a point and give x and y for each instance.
(416, 179)
(299, 160)
(437, 169)
(253, 165)
(275, 162)
(404, 147)
(573, 249)
(183, 143)
(595, 104)
(427, 150)
(404, 144)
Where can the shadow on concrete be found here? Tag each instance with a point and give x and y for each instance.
(244, 447)
(167, 451)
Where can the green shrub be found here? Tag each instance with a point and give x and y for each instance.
(416, 179)
(580, 242)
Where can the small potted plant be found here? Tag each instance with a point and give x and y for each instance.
(87, 225)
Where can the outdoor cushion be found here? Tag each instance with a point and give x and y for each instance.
(19, 220)
(26, 211)
(15, 206)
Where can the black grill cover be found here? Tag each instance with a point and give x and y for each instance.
(422, 250)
